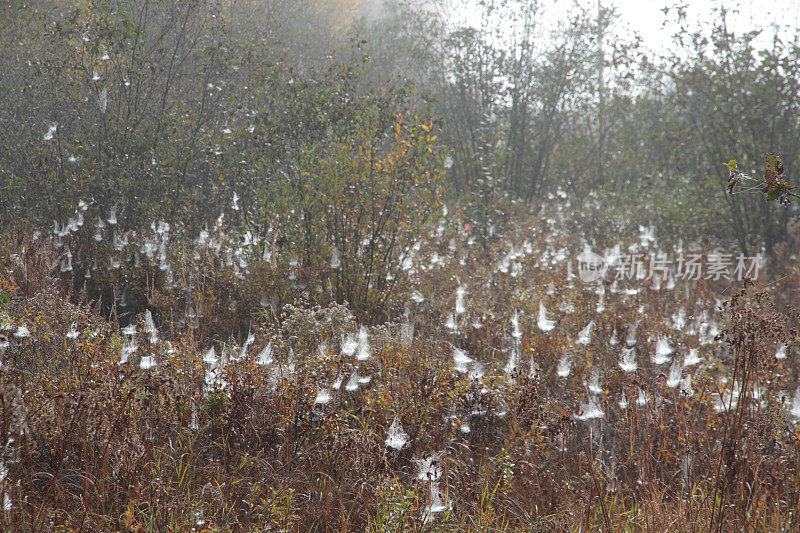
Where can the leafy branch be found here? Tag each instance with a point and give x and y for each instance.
(775, 186)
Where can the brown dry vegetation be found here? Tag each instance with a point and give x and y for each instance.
(254, 311)
(91, 443)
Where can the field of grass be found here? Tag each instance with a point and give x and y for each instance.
(212, 384)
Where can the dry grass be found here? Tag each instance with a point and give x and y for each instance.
(91, 443)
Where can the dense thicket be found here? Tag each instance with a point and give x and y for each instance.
(310, 265)
(167, 109)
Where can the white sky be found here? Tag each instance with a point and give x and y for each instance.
(646, 18)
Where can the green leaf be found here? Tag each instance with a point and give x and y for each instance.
(733, 180)
(774, 163)
(774, 194)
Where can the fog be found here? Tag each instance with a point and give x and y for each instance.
(398, 266)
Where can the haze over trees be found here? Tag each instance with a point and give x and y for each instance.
(315, 264)
(149, 102)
